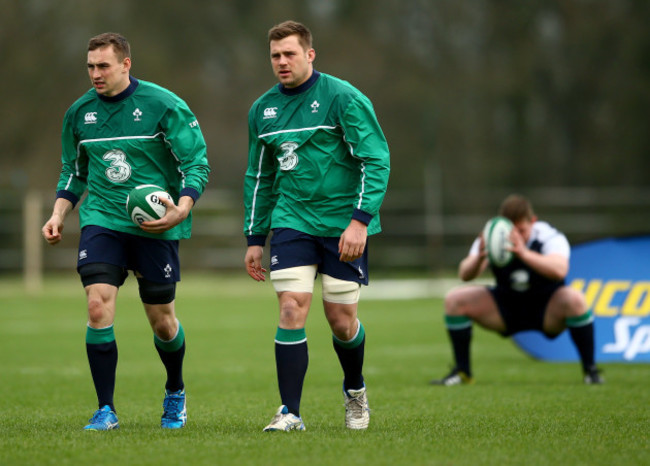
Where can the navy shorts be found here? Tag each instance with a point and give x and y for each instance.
(292, 248)
(155, 259)
(522, 311)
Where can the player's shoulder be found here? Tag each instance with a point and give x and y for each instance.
(159, 94)
(88, 97)
(153, 88)
(265, 106)
(544, 231)
(346, 96)
(83, 109)
(339, 86)
(334, 81)
(267, 96)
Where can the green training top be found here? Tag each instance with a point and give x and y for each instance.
(317, 159)
(144, 135)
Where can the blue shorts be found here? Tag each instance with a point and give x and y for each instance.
(292, 248)
(155, 259)
(522, 311)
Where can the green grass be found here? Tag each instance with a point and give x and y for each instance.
(520, 411)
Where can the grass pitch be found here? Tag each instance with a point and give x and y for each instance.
(520, 411)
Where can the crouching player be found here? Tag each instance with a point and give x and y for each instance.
(530, 294)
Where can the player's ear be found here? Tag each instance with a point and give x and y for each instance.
(126, 63)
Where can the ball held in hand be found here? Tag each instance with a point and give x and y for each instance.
(496, 235)
(143, 203)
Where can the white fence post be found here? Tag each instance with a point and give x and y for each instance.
(33, 242)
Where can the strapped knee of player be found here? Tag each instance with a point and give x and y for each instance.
(297, 279)
(340, 291)
(156, 293)
(100, 272)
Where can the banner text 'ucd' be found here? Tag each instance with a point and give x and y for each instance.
(612, 298)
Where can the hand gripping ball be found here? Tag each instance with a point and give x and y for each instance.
(143, 203)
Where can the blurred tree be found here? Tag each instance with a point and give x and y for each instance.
(476, 98)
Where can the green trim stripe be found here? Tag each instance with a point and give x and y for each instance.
(457, 322)
(97, 336)
(171, 345)
(580, 321)
(285, 336)
(354, 341)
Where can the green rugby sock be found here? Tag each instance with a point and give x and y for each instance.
(351, 355)
(579, 321)
(291, 361)
(459, 329)
(457, 322)
(101, 349)
(172, 354)
(171, 345)
(97, 336)
(581, 330)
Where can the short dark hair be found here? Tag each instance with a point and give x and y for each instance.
(120, 44)
(289, 28)
(516, 207)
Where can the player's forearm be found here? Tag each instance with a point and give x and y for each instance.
(471, 267)
(552, 266)
(375, 176)
(259, 202)
(61, 207)
(197, 174)
(185, 204)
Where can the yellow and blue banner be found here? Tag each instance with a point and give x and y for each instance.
(614, 276)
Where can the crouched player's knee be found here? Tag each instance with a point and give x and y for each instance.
(340, 291)
(156, 293)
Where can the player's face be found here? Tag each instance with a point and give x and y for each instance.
(524, 228)
(292, 64)
(108, 75)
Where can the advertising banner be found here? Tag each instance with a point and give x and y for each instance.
(614, 275)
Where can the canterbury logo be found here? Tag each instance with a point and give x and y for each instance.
(270, 112)
(90, 118)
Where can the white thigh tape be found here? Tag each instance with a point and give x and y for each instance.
(298, 279)
(340, 291)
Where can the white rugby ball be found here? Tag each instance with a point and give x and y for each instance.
(496, 235)
(143, 203)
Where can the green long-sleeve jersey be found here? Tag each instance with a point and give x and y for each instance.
(317, 159)
(145, 135)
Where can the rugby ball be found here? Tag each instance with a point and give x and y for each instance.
(496, 235)
(143, 203)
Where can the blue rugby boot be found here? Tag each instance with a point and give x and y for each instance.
(103, 419)
(175, 411)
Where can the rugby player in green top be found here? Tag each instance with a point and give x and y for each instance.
(120, 134)
(317, 173)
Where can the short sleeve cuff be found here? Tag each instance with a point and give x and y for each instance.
(70, 196)
(191, 192)
(363, 217)
(256, 240)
